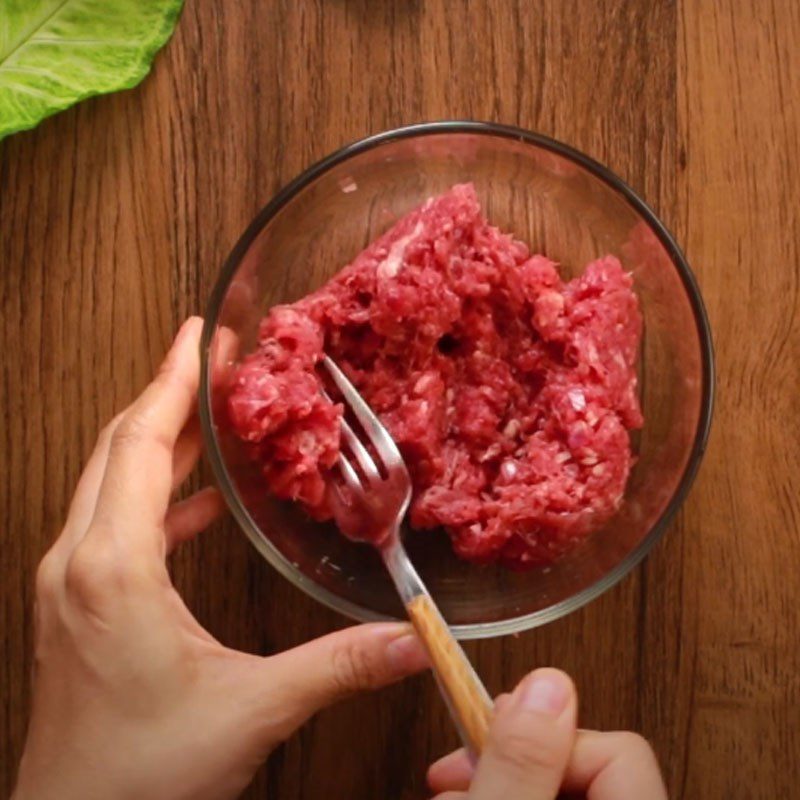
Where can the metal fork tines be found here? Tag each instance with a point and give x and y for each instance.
(373, 427)
(384, 493)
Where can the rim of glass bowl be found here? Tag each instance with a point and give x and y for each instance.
(284, 196)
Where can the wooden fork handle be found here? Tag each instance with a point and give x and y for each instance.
(466, 696)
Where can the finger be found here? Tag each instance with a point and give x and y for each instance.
(454, 771)
(530, 739)
(186, 518)
(138, 478)
(84, 501)
(314, 675)
(190, 442)
(187, 451)
(451, 796)
(602, 766)
(223, 353)
(614, 766)
(451, 773)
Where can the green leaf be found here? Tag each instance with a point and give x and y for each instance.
(54, 53)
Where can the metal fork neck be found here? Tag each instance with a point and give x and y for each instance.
(405, 576)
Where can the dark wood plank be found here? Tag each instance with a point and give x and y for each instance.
(739, 116)
(115, 217)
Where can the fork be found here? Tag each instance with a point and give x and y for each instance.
(369, 504)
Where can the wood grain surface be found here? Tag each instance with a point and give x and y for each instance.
(116, 215)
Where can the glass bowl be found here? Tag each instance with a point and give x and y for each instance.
(561, 203)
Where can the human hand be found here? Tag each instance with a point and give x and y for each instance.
(534, 752)
(132, 698)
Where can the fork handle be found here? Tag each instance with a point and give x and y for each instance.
(466, 697)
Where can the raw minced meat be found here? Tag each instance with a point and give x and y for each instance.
(509, 391)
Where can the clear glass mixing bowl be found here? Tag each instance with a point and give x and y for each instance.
(562, 204)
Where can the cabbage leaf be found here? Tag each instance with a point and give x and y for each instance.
(54, 53)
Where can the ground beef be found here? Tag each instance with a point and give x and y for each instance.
(509, 392)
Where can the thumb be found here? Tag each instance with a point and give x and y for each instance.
(530, 739)
(305, 679)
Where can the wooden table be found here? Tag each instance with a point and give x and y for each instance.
(116, 215)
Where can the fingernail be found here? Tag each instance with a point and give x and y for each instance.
(548, 693)
(188, 325)
(406, 654)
